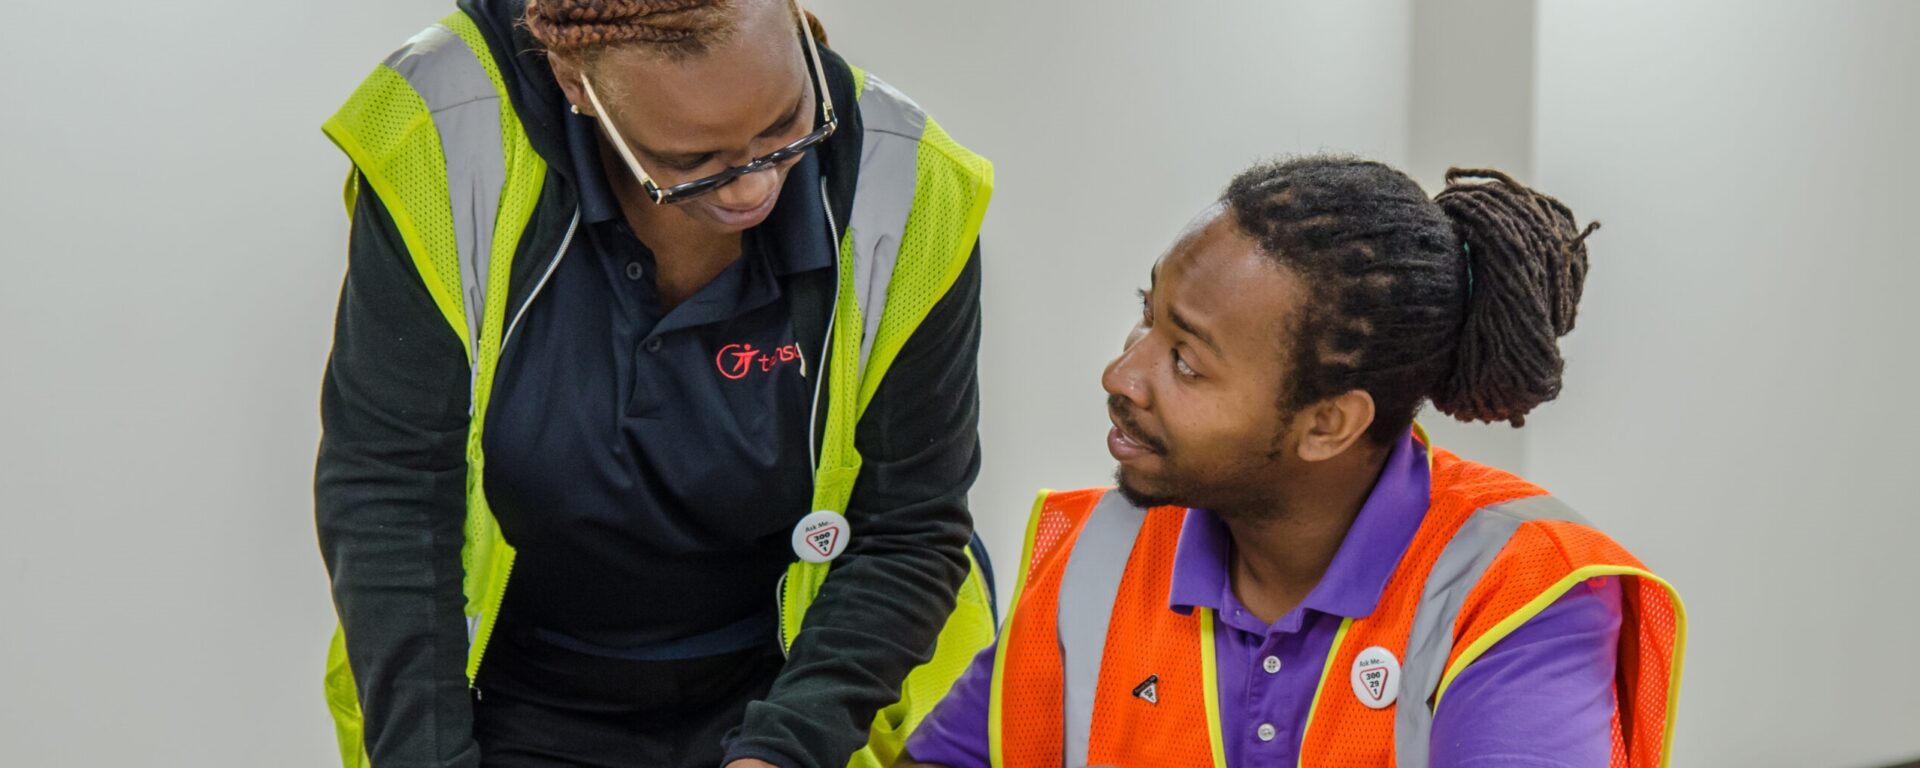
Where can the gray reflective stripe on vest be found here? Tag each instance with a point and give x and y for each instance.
(1088, 590)
(466, 113)
(882, 197)
(1460, 566)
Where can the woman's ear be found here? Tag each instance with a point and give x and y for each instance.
(569, 75)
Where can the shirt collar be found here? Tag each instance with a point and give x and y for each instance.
(795, 234)
(1360, 569)
(597, 203)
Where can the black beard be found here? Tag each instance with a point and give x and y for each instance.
(1140, 498)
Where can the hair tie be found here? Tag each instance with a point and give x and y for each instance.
(1467, 251)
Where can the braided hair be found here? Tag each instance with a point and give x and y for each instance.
(1459, 299)
(677, 28)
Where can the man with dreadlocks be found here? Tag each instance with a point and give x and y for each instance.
(1290, 572)
(643, 304)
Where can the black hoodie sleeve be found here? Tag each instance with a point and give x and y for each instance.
(389, 501)
(888, 596)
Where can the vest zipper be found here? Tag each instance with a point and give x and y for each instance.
(813, 417)
(500, 584)
(780, 615)
(565, 243)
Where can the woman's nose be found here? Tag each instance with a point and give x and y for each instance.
(748, 191)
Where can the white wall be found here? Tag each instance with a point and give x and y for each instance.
(1738, 407)
(171, 240)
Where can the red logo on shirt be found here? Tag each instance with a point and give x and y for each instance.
(735, 361)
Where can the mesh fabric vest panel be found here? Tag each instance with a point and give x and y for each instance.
(1528, 572)
(1149, 640)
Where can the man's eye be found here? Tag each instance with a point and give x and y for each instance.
(1146, 308)
(1180, 366)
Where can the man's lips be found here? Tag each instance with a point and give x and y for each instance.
(1124, 440)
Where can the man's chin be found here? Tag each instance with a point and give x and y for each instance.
(1139, 496)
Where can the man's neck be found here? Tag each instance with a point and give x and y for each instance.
(1281, 551)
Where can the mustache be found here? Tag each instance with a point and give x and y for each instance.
(1123, 413)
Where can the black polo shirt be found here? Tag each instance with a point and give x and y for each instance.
(649, 465)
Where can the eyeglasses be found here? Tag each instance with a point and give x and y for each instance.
(680, 193)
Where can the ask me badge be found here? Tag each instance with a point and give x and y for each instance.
(1376, 677)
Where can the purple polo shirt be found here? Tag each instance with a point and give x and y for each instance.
(1542, 696)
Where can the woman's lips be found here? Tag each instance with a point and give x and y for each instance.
(742, 219)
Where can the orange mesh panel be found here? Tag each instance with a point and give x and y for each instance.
(1343, 731)
(1032, 701)
(1646, 669)
(1062, 513)
(1619, 758)
(1539, 555)
(1146, 639)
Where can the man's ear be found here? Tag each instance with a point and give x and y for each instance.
(1333, 425)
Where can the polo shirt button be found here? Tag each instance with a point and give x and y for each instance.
(1267, 732)
(653, 344)
(635, 271)
(1271, 665)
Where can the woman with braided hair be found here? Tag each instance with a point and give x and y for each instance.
(668, 312)
(1289, 572)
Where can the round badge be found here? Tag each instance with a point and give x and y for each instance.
(821, 536)
(1376, 677)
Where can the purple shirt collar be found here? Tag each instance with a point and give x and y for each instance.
(1359, 572)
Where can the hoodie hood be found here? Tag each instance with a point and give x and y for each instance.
(536, 95)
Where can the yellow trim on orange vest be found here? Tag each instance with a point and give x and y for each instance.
(1533, 608)
(996, 751)
(1333, 652)
(1426, 444)
(1210, 675)
(1673, 674)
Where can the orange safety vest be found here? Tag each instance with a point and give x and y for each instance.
(1091, 621)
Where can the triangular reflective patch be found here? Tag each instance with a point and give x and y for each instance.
(1148, 690)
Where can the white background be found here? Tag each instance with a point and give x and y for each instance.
(1736, 409)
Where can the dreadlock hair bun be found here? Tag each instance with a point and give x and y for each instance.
(1526, 266)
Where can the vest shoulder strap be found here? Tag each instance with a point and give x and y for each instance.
(918, 204)
(915, 217)
(433, 133)
(1089, 586)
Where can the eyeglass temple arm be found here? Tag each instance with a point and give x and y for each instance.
(619, 142)
(813, 49)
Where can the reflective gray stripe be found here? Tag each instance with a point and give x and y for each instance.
(1466, 557)
(1087, 593)
(466, 113)
(882, 197)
